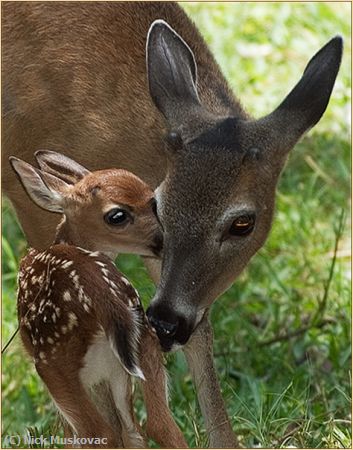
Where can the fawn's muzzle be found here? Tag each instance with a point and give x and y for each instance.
(171, 328)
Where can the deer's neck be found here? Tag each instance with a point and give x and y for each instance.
(65, 234)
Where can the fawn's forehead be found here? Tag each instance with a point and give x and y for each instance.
(114, 186)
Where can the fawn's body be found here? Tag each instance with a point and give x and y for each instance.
(83, 323)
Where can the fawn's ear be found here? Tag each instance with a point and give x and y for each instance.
(46, 190)
(60, 166)
(171, 70)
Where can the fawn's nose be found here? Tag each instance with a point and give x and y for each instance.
(171, 328)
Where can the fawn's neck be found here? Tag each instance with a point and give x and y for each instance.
(67, 235)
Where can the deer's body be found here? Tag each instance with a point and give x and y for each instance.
(81, 320)
(94, 99)
(75, 79)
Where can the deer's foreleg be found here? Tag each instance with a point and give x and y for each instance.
(199, 355)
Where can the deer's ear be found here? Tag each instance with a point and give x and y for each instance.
(172, 72)
(307, 102)
(46, 190)
(60, 166)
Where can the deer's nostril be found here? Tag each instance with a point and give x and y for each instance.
(162, 327)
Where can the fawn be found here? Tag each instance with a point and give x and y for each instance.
(80, 319)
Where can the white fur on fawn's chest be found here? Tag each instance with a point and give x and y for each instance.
(100, 363)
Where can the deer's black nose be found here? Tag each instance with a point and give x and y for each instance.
(171, 327)
(161, 326)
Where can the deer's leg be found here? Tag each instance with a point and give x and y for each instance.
(75, 405)
(199, 355)
(160, 425)
(102, 398)
(122, 394)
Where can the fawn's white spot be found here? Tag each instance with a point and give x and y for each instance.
(105, 272)
(67, 296)
(64, 329)
(112, 291)
(73, 321)
(41, 355)
(67, 264)
(50, 340)
(130, 303)
(125, 281)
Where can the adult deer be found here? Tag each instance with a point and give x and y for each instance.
(75, 77)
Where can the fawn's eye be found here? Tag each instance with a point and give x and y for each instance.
(117, 217)
(242, 225)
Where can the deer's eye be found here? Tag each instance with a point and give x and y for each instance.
(242, 225)
(117, 217)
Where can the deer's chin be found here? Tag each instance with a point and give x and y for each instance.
(170, 345)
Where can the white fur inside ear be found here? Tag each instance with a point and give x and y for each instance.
(32, 181)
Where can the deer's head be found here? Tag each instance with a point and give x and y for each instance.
(107, 210)
(217, 200)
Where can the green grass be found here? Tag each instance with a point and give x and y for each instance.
(280, 390)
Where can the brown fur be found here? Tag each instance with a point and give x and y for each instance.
(94, 116)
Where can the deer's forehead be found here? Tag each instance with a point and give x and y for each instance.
(213, 178)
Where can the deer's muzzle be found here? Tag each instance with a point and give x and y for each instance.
(171, 328)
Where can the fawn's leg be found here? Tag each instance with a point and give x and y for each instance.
(75, 405)
(122, 394)
(199, 355)
(160, 425)
(102, 397)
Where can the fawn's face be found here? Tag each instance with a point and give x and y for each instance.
(110, 211)
(216, 203)
(116, 208)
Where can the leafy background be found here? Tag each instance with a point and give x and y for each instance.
(282, 332)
